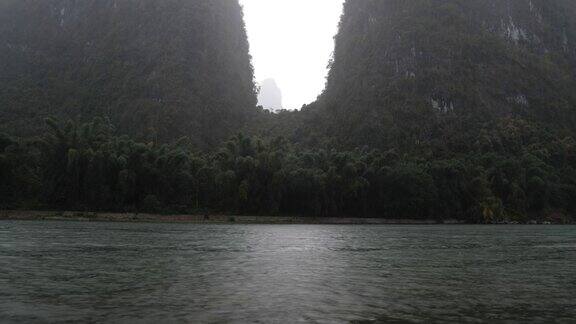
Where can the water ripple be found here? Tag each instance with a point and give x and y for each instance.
(99, 272)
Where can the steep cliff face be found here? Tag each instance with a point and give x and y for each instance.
(418, 71)
(158, 69)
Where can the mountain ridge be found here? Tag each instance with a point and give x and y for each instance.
(160, 70)
(404, 72)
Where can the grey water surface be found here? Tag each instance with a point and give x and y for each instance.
(157, 273)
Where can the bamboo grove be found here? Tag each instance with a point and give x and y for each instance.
(85, 167)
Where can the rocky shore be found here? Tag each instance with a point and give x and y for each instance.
(202, 219)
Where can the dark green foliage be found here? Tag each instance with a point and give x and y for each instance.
(159, 70)
(431, 74)
(434, 109)
(84, 167)
(20, 180)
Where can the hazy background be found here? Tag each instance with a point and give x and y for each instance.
(291, 41)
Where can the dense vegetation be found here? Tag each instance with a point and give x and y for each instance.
(423, 73)
(85, 167)
(159, 70)
(433, 109)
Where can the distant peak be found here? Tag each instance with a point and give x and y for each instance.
(270, 95)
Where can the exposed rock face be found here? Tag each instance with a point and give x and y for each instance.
(158, 69)
(270, 95)
(405, 71)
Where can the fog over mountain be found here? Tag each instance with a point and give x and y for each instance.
(270, 95)
(433, 109)
(413, 73)
(146, 177)
(159, 70)
(290, 39)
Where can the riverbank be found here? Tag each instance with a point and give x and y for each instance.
(202, 219)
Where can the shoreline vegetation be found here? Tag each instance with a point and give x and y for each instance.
(85, 167)
(35, 215)
(121, 121)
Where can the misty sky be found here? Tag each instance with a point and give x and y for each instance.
(292, 41)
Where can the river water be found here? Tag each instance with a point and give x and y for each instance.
(157, 273)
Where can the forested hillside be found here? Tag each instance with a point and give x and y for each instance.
(436, 109)
(159, 70)
(447, 74)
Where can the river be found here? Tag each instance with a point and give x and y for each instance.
(151, 273)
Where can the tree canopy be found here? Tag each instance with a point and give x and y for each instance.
(85, 167)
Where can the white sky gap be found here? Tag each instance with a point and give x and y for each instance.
(292, 42)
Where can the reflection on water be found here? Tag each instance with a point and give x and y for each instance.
(101, 272)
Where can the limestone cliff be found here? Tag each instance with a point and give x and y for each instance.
(419, 71)
(159, 70)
